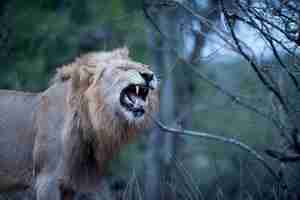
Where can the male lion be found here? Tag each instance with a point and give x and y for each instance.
(60, 141)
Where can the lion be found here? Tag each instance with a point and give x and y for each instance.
(60, 141)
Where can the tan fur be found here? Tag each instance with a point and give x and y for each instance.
(77, 125)
(95, 117)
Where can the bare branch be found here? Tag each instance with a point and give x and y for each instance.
(231, 141)
(269, 38)
(283, 157)
(252, 62)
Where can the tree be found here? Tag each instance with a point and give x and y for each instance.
(276, 22)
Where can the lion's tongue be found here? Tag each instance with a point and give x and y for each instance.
(137, 101)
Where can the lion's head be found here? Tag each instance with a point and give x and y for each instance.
(110, 99)
(118, 90)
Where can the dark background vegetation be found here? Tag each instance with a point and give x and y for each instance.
(226, 67)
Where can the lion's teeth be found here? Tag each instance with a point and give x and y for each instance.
(137, 88)
(127, 99)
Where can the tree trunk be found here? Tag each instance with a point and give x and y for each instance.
(161, 147)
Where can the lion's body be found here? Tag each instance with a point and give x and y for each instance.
(61, 140)
(30, 128)
(17, 138)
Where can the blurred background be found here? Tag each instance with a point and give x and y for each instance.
(226, 67)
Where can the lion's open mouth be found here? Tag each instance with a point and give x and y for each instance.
(133, 99)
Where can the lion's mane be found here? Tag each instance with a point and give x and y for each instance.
(85, 138)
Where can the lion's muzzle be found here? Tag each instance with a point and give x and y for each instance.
(133, 97)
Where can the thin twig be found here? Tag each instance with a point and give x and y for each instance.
(232, 141)
(252, 62)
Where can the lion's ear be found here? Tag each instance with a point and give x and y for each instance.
(81, 77)
(89, 70)
(122, 52)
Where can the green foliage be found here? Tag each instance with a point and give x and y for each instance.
(39, 36)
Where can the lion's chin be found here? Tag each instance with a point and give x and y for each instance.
(133, 117)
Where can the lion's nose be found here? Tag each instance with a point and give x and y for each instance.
(148, 77)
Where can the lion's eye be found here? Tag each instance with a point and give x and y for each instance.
(147, 76)
(123, 68)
